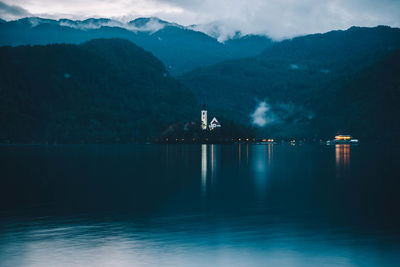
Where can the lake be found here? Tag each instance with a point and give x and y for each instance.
(199, 205)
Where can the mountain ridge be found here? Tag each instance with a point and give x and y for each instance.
(180, 48)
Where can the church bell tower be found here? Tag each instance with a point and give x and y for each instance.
(204, 118)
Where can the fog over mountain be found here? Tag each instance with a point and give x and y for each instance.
(276, 18)
(179, 48)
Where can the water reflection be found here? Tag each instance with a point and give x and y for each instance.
(270, 153)
(342, 155)
(203, 168)
(282, 209)
(209, 155)
(212, 162)
(215, 150)
(260, 165)
(247, 154)
(239, 152)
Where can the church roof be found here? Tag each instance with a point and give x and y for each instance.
(215, 121)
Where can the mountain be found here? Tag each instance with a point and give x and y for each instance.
(179, 48)
(219, 30)
(105, 90)
(301, 81)
(247, 45)
(370, 106)
(151, 24)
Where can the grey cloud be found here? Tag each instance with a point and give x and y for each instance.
(222, 18)
(287, 18)
(11, 11)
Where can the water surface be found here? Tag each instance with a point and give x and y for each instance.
(199, 205)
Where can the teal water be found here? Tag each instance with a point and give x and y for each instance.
(199, 205)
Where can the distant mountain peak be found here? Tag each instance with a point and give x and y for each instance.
(150, 24)
(143, 21)
(35, 21)
(218, 30)
(91, 23)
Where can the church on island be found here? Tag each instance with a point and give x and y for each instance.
(213, 124)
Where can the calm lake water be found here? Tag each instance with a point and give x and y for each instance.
(199, 205)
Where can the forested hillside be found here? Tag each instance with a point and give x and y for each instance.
(304, 83)
(101, 91)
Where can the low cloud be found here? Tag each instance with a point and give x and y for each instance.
(148, 25)
(266, 114)
(263, 115)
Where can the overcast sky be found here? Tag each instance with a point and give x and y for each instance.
(276, 18)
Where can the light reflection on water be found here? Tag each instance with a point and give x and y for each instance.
(208, 205)
(203, 168)
(261, 162)
(342, 154)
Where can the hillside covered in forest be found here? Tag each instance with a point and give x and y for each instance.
(311, 86)
(111, 90)
(99, 91)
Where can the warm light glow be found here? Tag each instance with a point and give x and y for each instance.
(212, 160)
(342, 154)
(239, 153)
(270, 153)
(247, 153)
(343, 137)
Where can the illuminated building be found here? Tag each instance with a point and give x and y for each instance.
(204, 118)
(214, 124)
(267, 141)
(343, 139)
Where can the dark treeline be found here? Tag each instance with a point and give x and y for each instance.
(191, 132)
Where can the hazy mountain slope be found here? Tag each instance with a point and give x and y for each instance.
(297, 77)
(368, 105)
(100, 91)
(246, 46)
(179, 48)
